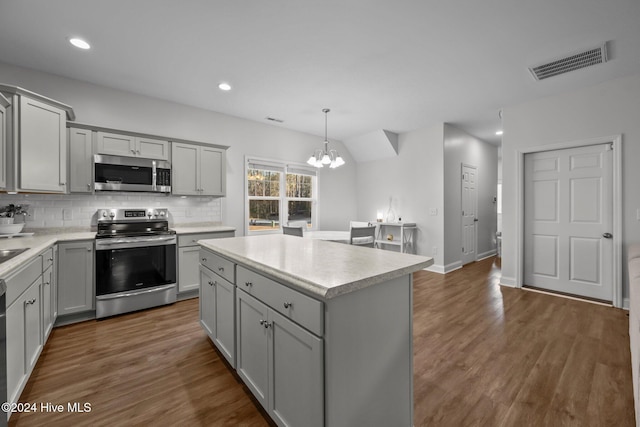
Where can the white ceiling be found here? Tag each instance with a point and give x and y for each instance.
(396, 65)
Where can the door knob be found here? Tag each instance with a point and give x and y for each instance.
(607, 235)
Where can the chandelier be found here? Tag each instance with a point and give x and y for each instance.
(324, 156)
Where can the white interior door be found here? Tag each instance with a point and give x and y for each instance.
(469, 213)
(568, 220)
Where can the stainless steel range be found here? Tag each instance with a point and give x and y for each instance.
(135, 260)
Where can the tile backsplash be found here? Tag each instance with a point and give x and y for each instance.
(65, 210)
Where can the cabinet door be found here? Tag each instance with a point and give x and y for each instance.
(15, 349)
(212, 171)
(295, 374)
(207, 301)
(185, 175)
(251, 340)
(3, 147)
(43, 153)
(75, 277)
(116, 144)
(32, 324)
(224, 333)
(188, 262)
(150, 148)
(47, 313)
(80, 161)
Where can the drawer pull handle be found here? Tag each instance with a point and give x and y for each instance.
(204, 260)
(262, 322)
(31, 301)
(267, 325)
(288, 304)
(49, 259)
(210, 283)
(46, 283)
(248, 284)
(220, 268)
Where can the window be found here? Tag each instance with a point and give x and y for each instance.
(279, 194)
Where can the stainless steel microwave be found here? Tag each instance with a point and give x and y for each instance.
(119, 173)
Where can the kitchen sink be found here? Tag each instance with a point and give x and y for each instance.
(7, 254)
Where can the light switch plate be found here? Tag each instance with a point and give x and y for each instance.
(433, 211)
(67, 214)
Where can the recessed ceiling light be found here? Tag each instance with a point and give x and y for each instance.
(79, 43)
(224, 86)
(499, 132)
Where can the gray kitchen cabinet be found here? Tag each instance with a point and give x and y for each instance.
(4, 103)
(117, 144)
(80, 160)
(24, 314)
(36, 146)
(198, 170)
(217, 310)
(49, 292)
(75, 277)
(189, 258)
(268, 342)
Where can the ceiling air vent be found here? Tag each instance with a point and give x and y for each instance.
(273, 119)
(586, 58)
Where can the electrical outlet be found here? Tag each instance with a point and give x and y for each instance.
(434, 251)
(67, 214)
(433, 211)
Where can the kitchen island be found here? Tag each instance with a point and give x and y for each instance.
(320, 332)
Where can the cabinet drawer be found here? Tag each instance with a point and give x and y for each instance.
(218, 265)
(47, 259)
(20, 281)
(304, 310)
(192, 239)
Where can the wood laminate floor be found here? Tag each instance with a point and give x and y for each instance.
(484, 355)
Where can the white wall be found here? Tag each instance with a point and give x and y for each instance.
(98, 105)
(413, 179)
(610, 108)
(459, 148)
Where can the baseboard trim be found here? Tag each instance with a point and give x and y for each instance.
(453, 266)
(509, 282)
(486, 255)
(626, 303)
(435, 269)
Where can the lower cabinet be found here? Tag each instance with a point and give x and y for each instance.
(189, 258)
(48, 296)
(280, 362)
(217, 298)
(75, 277)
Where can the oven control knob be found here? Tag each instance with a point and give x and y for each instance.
(155, 213)
(104, 214)
(112, 214)
(161, 213)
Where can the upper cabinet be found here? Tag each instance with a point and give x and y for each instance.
(35, 150)
(80, 160)
(198, 170)
(4, 104)
(132, 146)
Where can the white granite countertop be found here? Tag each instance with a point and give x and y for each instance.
(47, 237)
(319, 268)
(36, 244)
(201, 228)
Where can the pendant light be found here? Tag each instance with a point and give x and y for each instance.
(324, 156)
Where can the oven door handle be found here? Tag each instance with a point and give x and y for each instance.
(132, 294)
(132, 243)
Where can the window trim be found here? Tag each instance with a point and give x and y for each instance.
(284, 167)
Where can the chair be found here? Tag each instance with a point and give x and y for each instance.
(353, 224)
(363, 236)
(293, 231)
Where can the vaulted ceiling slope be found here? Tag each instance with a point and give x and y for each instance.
(395, 65)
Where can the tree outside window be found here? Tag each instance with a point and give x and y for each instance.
(269, 207)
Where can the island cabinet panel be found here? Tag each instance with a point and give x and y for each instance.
(281, 363)
(300, 308)
(251, 363)
(217, 312)
(295, 374)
